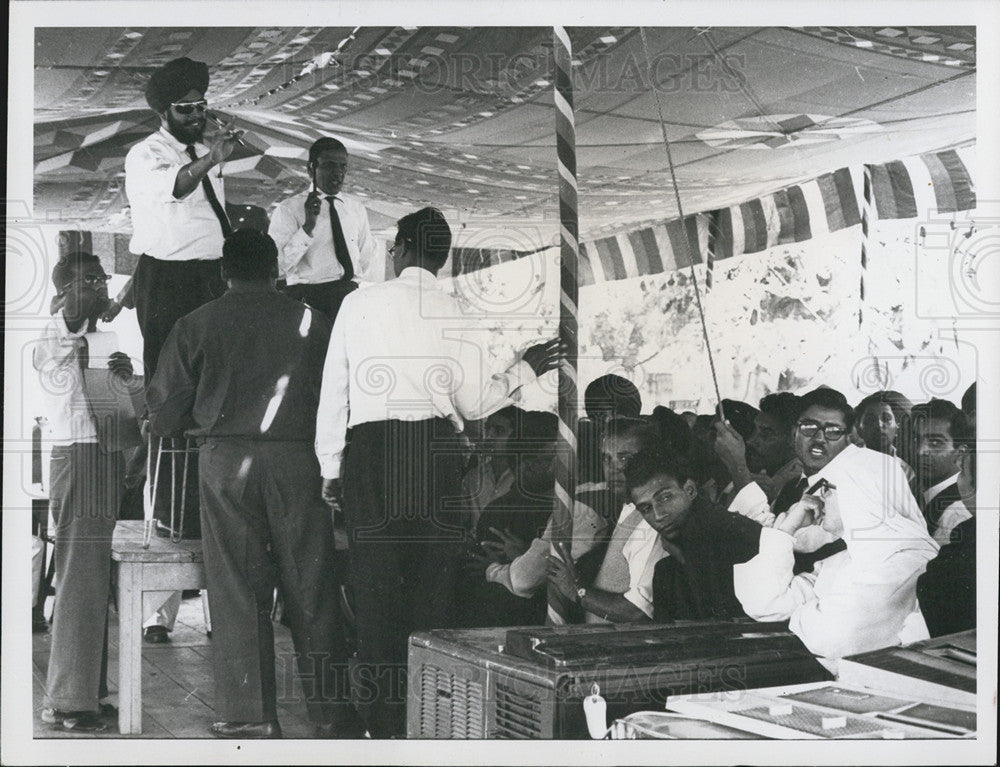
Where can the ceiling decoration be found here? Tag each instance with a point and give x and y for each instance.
(463, 117)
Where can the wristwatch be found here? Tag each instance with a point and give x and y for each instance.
(580, 594)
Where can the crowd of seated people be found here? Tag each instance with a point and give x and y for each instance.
(854, 524)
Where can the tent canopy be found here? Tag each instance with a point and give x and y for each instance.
(463, 117)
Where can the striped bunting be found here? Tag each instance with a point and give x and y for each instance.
(901, 189)
(917, 186)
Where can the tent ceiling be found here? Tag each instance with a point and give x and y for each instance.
(464, 118)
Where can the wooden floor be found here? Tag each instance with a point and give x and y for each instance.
(177, 688)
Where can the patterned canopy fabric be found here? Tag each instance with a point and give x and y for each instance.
(463, 118)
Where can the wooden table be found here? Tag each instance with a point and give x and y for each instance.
(164, 566)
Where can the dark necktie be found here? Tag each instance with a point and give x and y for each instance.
(212, 199)
(789, 494)
(339, 243)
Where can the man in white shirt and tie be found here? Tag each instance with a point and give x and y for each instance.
(325, 244)
(400, 376)
(174, 186)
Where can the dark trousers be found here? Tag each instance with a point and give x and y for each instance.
(86, 485)
(402, 504)
(264, 524)
(164, 291)
(325, 297)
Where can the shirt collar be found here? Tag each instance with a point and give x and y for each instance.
(418, 274)
(933, 491)
(64, 331)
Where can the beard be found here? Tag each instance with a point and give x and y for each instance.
(188, 131)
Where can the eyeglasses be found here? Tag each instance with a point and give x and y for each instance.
(188, 107)
(832, 432)
(90, 280)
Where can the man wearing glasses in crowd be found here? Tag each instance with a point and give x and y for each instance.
(325, 244)
(819, 435)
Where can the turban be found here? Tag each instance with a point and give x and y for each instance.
(173, 80)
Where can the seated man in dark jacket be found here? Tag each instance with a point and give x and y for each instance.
(947, 589)
(703, 542)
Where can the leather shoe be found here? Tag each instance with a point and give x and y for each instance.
(156, 634)
(74, 721)
(261, 730)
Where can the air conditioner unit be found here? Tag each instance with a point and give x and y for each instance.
(531, 682)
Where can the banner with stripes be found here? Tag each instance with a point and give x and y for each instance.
(901, 189)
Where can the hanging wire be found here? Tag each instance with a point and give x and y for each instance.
(680, 213)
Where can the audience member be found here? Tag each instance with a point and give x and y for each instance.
(882, 421)
(609, 396)
(947, 590)
(701, 542)
(938, 429)
(490, 475)
(768, 456)
(863, 597)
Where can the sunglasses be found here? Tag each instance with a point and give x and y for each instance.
(189, 107)
(90, 280)
(811, 429)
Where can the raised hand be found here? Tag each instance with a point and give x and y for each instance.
(545, 356)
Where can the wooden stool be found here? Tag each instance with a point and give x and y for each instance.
(164, 566)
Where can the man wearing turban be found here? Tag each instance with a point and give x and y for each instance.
(174, 186)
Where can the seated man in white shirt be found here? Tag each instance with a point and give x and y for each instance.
(325, 244)
(820, 434)
(938, 427)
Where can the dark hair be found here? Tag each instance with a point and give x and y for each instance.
(673, 430)
(959, 428)
(783, 407)
(969, 400)
(249, 254)
(640, 428)
(897, 402)
(828, 398)
(741, 416)
(646, 464)
(325, 144)
(536, 426)
(614, 393)
(428, 230)
(68, 264)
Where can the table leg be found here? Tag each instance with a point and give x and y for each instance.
(130, 648)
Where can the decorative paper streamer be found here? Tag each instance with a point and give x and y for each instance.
(866, 217)
(565, 474)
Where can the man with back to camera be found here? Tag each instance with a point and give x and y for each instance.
(325, 244)
(86, 484)
(399, 375)
(241, 375)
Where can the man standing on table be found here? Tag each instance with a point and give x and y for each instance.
(398, 374)
(241, 376)
(174, 187)
(325, 245)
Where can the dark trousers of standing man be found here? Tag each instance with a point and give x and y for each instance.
(264, 524)
(86, 485)
(325, 297)
(163, 292)
(402, 504)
